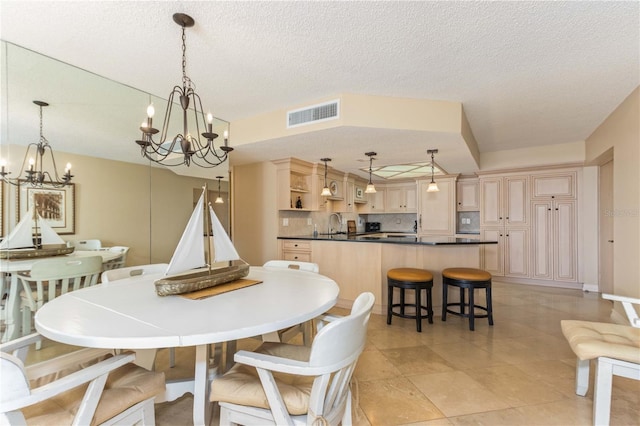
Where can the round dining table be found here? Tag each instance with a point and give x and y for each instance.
(10, 268)
(128, 314)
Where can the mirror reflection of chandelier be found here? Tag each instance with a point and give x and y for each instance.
(35, 174)
(184, 148)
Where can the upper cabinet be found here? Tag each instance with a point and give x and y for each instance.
(468, 195)
(296, 184)
(554, 185)
(437, 210)
(375, 201)
(504, 201)
(401, 198)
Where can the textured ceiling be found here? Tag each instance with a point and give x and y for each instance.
(527, 73)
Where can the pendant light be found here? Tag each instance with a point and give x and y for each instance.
(219, 200)
(433, 186)
(326, 192)
(371, 189)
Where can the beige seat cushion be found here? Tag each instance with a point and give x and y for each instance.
(125, 387)
(241, 384)
(410, 275)
(591, 340)
(466, 274)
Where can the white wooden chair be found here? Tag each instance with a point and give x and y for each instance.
(118, 262)
(306, 328)
(287, 384)
(293, 264)
(86, 244)
(132, 271)
(615, 349)
(112, 275)
(49, 278)
(85, 387)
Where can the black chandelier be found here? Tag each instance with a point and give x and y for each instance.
(185, 147)
(35, 175)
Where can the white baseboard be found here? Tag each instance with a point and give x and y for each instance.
(592, 288)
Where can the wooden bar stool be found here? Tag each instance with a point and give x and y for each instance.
(469, 279)
(412, 279)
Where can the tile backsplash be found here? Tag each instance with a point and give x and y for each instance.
(468, 222)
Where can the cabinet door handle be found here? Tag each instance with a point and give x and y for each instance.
(609, 241)
(556, 209)
(549, 209)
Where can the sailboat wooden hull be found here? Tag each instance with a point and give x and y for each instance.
(32, 253)
(199, 279)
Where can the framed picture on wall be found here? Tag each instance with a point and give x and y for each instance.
(55, 205)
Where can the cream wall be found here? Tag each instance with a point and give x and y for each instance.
(144, 208)
(621, 131)
(254, 212)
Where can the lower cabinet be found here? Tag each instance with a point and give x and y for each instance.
(296, 250)
(354, 266)
(508, 258)
(554, 242)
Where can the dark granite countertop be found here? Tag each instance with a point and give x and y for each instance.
(432, 240)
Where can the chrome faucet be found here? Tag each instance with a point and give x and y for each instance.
(337, 215)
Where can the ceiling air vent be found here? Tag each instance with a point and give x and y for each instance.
(313, 114)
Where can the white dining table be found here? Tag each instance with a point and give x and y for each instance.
(128, 314)
(10, 268)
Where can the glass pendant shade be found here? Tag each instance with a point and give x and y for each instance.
(371, 189)
(326, 192)
(433, 187)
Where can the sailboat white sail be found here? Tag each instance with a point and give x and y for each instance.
(188, 261)
(224, 249)
(189, 253)
(22, 234)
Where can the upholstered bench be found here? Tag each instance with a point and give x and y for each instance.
(466, 279)
(616, 349)
(412, 279)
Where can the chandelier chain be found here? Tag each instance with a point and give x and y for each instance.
(185, 80)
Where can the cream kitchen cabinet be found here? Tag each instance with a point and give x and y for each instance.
(504, 201)
(468, 195)
(510, 257)
(504, 216)
(437, 210)
(298, 250)
(375, 201)
(295, 182)
(401, 198)
(554, 241)
(554, 185)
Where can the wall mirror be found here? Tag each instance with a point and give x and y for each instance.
(92, 123)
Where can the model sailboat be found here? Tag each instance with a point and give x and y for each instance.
(188, 270)
(32, 237)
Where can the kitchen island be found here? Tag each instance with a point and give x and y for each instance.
(359, 262)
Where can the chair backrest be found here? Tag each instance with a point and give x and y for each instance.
(132, 271)
(118, 262)
(61, 275)
(86, 244)
(293, 264)
(334, 353)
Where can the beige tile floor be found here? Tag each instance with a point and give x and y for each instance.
(521, 371)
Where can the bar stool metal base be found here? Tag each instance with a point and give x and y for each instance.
(466, 310)
(421, 311)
